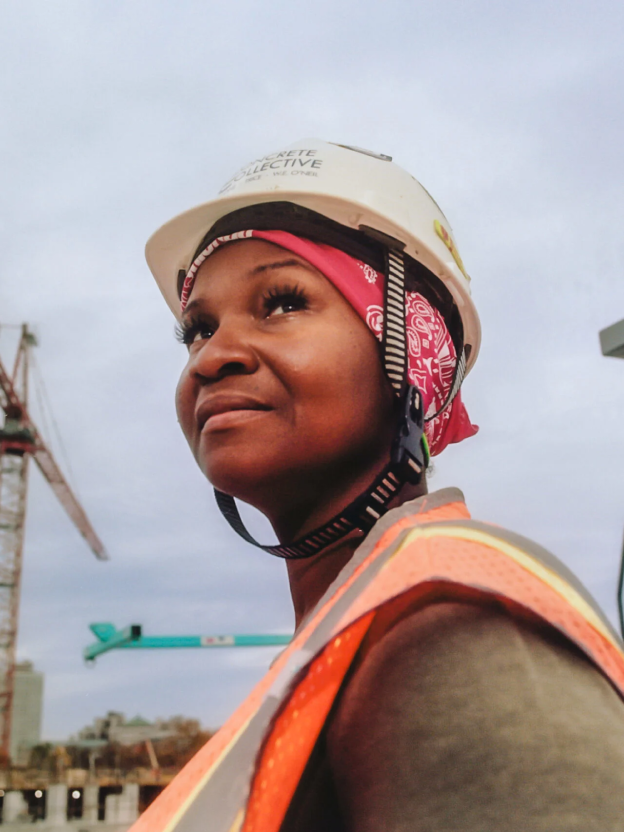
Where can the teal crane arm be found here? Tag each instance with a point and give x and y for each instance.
(131, 637)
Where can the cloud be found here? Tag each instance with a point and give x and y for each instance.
(118, 116)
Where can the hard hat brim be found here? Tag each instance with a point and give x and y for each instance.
(171, 248)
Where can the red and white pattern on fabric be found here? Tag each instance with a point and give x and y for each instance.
(374, 319)
(369, 272)
(431, 352)
(431, 358)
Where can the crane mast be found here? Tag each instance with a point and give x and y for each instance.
(16, 444)
(19, 440)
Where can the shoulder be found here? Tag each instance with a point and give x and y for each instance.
(480, 651)
(460, 706)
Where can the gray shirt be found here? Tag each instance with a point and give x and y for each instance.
(463, 717)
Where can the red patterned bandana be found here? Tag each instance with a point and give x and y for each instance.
(431, 353)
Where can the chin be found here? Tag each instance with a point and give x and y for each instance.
(242, 475)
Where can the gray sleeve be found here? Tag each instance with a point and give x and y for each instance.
(463, 718)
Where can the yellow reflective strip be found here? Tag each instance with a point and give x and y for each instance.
(181, 811)
(531, 564)
(238, 821)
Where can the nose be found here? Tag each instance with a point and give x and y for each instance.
(228, 352)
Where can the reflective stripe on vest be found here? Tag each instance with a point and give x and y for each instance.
(243, 780)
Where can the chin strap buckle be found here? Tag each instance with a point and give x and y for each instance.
(410, 451)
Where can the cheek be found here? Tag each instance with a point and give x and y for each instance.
(184, 404)
(342, 389)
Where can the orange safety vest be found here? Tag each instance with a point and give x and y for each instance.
(429, 550)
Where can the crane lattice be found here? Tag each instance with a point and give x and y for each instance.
(20, 440)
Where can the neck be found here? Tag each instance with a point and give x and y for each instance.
(310, 578)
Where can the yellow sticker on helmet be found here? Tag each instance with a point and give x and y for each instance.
(448, 242)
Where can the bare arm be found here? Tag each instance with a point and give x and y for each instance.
(461, 718)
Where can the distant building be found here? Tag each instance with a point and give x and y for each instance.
(114, 728)
(27, 711)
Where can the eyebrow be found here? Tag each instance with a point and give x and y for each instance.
(264, 267)
(191, 306)
(279, 264)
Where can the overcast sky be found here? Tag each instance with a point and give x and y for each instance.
(114, 116)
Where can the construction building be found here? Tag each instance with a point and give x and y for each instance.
(27, 711)
(114, 728)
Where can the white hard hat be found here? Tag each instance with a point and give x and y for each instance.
(355, 188)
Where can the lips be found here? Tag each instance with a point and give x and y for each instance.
(220, 403)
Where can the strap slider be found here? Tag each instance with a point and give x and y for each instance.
(409, 449)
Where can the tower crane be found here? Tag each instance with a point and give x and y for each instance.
(110, 638)
(20, 440)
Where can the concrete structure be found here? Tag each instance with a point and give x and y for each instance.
(90, 804)
(56, 805)
(114, 728)
(14, 808)
(121, 810)
(27, 711)
(138, 730)
(612, 340)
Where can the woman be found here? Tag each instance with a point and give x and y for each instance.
(444, 674)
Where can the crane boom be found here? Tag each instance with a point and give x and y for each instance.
(110, 638)
(11, 399)
(49, 468)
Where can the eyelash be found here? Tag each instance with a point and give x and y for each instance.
(291, 294)
(287, 295)
(185, 331)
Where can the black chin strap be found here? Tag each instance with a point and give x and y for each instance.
(409, 454)
(410, 457)
(361, 514)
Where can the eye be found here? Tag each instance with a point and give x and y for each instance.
(193, 330)
(285, 299)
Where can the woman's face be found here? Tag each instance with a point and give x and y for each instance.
(283, 397)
